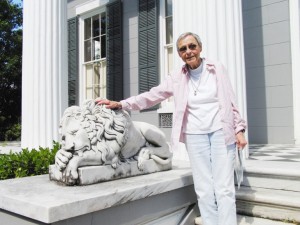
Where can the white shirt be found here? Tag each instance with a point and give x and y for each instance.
(203, 105)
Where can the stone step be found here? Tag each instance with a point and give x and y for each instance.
(270, 189)
(268, 203)
(247, 220)
(271, 183)
(272, 169)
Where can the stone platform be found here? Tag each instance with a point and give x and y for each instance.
(157, 198)
(96, 174)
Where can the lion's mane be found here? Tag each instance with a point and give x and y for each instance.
(107, 129)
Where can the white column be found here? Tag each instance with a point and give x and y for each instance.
(219, 25)
(44, 72)
(295, 49)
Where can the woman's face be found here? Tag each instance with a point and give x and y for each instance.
(189, 51)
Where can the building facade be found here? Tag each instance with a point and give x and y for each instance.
(121, 48)
(271, 38)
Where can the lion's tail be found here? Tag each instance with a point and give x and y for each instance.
(160, 160)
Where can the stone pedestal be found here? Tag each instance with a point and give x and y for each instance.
(159, 198)
(96, 174)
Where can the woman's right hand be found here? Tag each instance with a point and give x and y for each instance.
(109, 104)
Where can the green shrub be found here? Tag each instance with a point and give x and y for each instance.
(13, 133)
(27, 163)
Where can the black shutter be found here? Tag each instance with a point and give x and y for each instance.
(114, 51)
(148, 44)
(72, 61)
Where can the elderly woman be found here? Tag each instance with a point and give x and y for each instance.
(207, 120)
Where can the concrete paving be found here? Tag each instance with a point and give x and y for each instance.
(271, 186)
(6, 147)
(271, 179)
(247, 220)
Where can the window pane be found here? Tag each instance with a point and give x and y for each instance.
(96, 91)
(103, 46)
(89, 93)
(169, 30)
(96, 48)
(97, 74)
(168, 4)
(89, 76)
(87, 51)
(87, 28)
(96, 26)
(89, 81)
(103, 79)
(170, 59)
(103, 23)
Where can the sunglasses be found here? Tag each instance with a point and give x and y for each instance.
(190, 46)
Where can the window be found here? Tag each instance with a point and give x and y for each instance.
(95, 37)
(167, 55)
(95, 56)
(95, 78)
(168, 46)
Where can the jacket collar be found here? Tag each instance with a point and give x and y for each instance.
(185, 69)
(210, 65)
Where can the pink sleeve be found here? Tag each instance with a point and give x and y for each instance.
(239, 122)
(150, 98)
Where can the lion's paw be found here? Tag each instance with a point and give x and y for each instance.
(114, 162)
(114, 165)
(70, 176)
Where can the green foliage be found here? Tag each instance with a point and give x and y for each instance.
(10, 65)
(13, 133)
(27, 163)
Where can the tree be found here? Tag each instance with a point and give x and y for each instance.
(10, 66)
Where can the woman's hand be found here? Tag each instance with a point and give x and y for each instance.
(109, 104)
(240, 140)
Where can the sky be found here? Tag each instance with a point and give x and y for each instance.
(18, 2)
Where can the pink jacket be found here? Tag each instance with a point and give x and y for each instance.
(177, 85)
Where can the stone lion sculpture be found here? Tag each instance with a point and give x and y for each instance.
(94, 135)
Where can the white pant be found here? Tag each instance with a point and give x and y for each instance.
(212, 165)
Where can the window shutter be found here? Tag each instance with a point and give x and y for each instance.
(148, 45)
(72, 61)
(114, 51)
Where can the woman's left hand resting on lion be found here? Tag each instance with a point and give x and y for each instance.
(109, 104)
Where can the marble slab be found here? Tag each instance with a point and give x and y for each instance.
(286, 169)
(43, 200)
(7, 147)
(96, 174)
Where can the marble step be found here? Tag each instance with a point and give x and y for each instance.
(247, 220)
(272, 169)
(270, 182)
(269, 203)
(270, 189)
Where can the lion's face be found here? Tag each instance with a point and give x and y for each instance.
(74, 136)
